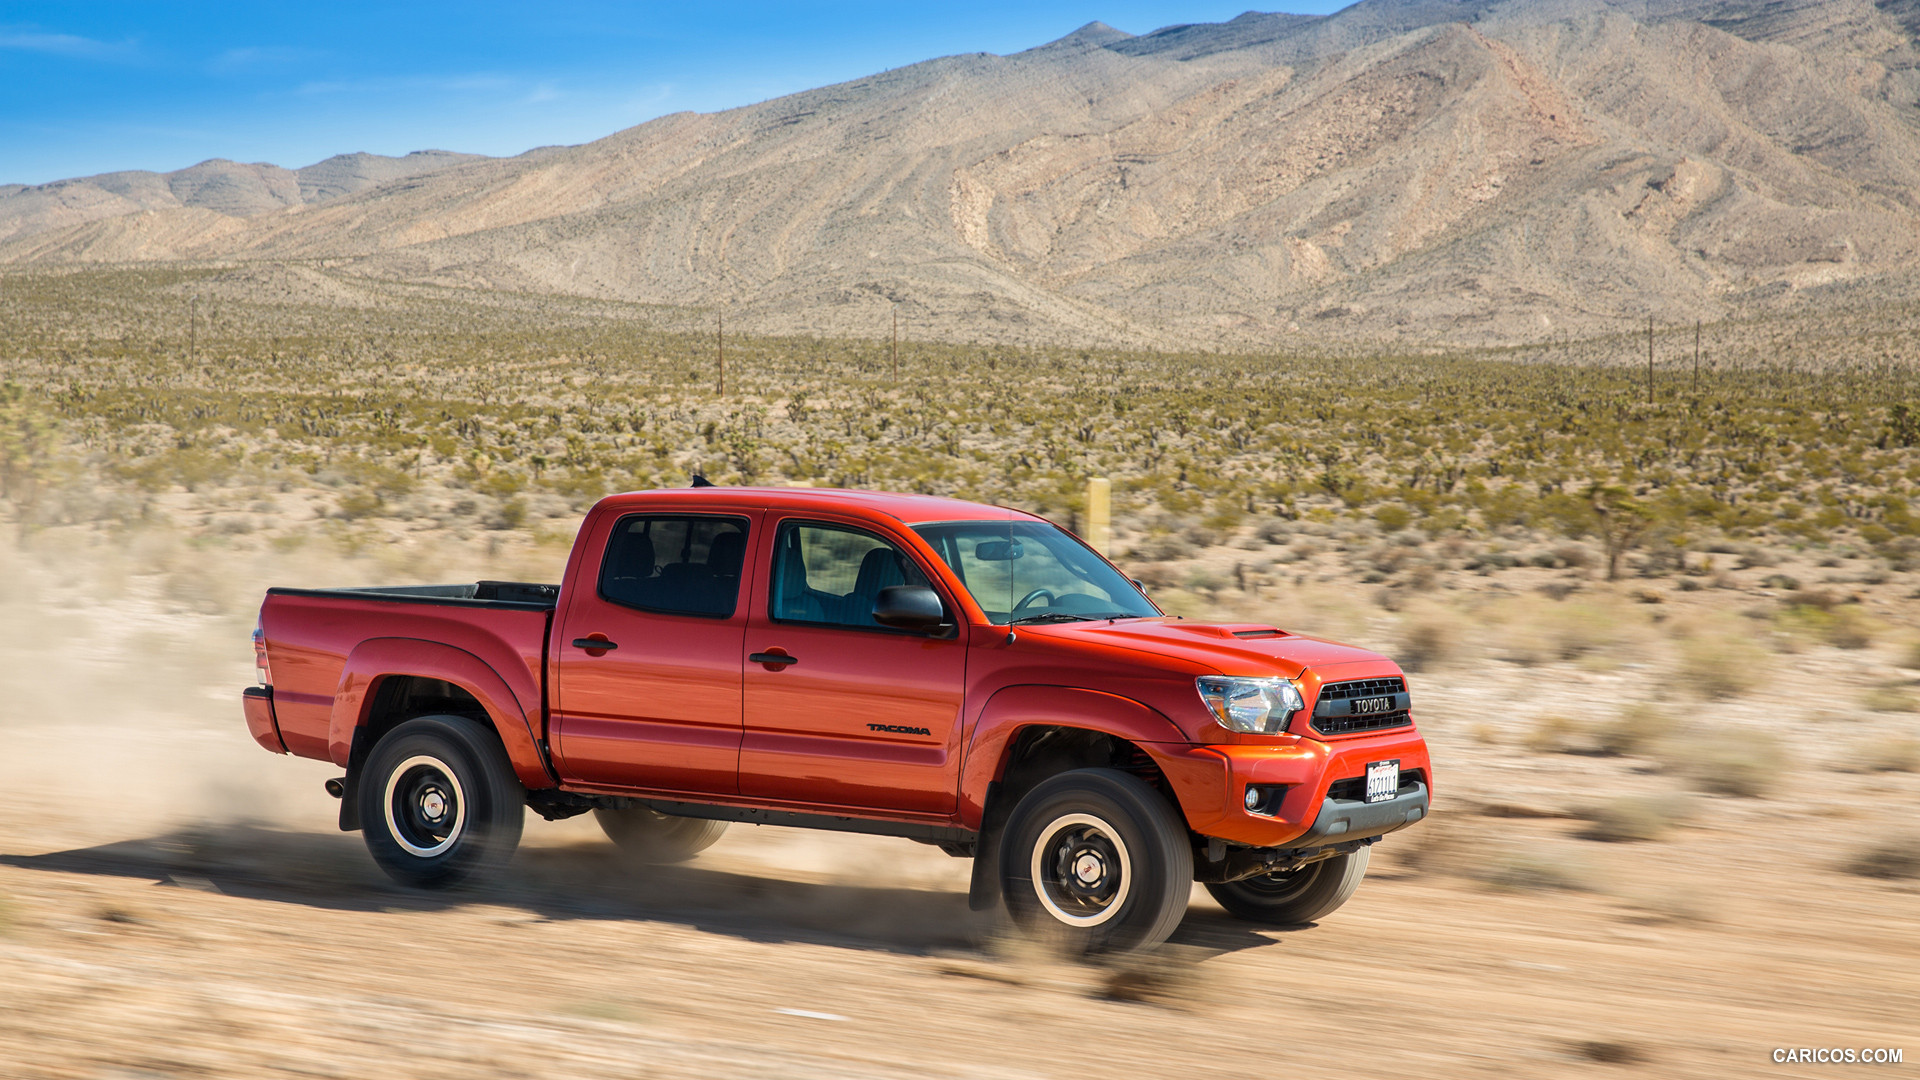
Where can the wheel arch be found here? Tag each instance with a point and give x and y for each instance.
(1026, 733)
(381, 678)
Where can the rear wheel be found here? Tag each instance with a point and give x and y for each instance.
(1096, 860)
(650, 836)
(439, 802)
(1292, 897)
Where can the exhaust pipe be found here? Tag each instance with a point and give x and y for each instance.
(337, 787)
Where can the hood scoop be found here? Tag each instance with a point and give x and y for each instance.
(1233, 630)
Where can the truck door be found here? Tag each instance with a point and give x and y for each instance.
(840, 710)
(647, 680)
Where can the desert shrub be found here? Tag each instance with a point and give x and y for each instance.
(1823, 616)
(360, 503)
(1746, 763)
(1551, 734)
(1204, 536)
(1717, 666)
(1427, 643)
(1635, 817)
(1636, 729)
(1273, 530)
(1393, 517)
(509, 515)
(1530, 869)
(1167, 547)
(1897, 754)
(1898, 857)
(1891, 698)
(1578, 556)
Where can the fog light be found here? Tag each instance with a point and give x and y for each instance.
(1254, 797)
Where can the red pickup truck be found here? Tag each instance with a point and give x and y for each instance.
(962, 675)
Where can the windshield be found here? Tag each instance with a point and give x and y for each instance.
(1026, 571)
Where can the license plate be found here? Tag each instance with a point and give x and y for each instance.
(1383, 780)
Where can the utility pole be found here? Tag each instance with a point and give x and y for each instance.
(894, 349)
(193, 326)
(1649, 359)
(720, 343)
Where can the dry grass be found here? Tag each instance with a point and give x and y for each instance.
(1636, 817)
(1531, 868)
(1891, 754)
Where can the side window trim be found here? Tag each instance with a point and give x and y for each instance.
(745, 525)
(787, 527)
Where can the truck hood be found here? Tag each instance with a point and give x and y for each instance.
(1229, 648)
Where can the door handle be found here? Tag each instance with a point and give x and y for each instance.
(594, 645)
(773, 660)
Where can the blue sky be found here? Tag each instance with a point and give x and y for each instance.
(104, 85)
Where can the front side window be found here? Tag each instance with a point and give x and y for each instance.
(831, 575)
(1029, 571)
(679, 565)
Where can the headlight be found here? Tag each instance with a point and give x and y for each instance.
(1254, 706)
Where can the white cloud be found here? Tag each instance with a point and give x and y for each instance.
(254, 57)
(389, 83)
(64, 45)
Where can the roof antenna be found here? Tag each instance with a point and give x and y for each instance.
(700, 481)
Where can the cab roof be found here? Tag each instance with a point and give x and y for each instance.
(906, 508)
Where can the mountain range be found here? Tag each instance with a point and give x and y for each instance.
(1427, 171)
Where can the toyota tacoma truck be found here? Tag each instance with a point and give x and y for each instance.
(962, 675)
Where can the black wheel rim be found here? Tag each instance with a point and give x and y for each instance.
(1082, 871)
(425, 807)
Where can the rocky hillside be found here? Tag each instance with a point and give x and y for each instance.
(228, 188)
(1423, 170)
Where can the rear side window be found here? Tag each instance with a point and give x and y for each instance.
(680, 565)
(832, 575)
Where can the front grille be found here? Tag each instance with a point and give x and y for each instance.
(1332, 716)
(1341, 691)
(1346, 725)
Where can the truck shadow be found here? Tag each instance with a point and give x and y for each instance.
(582, 881)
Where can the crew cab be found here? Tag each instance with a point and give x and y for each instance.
(963, 675)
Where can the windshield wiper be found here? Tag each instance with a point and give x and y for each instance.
(1050, 616)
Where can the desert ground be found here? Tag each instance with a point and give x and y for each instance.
(1679, 890)
(1677, 766)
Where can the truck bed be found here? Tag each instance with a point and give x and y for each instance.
(515, 595)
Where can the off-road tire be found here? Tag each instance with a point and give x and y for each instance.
(1294, 897)
(1095, 860)
(647, 835)
(439, 802)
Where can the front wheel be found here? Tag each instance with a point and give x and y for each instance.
(439, 802)
(1097, 860)
(1293, 897)
(647, 835)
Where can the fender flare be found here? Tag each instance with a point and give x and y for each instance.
(1012, 709)
(377, 659)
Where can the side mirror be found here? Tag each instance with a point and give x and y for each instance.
(909, 607)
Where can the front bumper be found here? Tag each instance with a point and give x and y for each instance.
(261, 723)
(1211, 783)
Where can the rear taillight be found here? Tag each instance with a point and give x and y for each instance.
(260, 656)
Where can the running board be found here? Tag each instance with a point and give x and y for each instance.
(910, 830)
